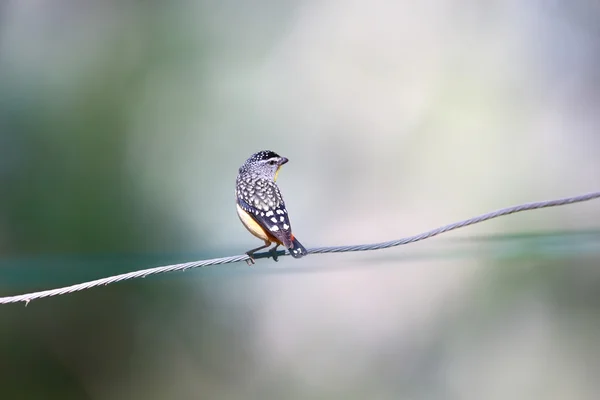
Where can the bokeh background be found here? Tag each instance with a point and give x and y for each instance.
(123, 123)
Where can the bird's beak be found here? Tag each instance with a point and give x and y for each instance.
(282, 161)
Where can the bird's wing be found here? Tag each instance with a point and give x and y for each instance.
(265, 205)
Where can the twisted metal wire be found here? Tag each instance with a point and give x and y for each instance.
(319, 250)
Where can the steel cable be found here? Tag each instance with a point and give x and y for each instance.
(319, 250)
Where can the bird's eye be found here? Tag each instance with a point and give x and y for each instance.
(272, 162)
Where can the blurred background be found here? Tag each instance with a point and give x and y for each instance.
(123, 124)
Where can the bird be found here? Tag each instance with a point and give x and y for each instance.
(260, 205)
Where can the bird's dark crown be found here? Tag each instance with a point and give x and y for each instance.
(263, 155)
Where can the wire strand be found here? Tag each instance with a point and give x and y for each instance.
(319, 250)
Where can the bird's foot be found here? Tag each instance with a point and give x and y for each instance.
(250, 261)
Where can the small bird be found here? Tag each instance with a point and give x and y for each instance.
(260, 205)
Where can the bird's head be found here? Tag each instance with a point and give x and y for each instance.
(264, 164)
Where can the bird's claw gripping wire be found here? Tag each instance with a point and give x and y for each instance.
(273, 253)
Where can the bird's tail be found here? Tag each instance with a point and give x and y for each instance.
(296, 249)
